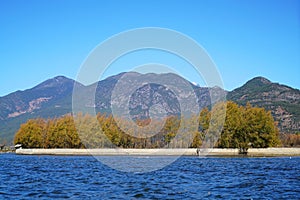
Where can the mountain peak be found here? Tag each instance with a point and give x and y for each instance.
(283, 101)
(55, 82)
(259, 81)
(53, 98)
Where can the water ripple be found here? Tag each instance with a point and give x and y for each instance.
(83, 177)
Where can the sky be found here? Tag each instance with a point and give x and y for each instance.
(40, 39)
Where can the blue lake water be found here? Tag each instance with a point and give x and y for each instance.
(84, 177)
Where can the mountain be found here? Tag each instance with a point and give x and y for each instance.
(23, 102)
(49, 99)
(281, 100)
(53, 98)
(113, 92)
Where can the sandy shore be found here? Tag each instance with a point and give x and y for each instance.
(162, 152)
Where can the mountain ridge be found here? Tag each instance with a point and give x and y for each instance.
(53, 98)
(283, 101)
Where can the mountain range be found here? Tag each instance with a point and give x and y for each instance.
(53, 98)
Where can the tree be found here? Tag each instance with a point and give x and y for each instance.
(232, 135)
(244, 127)
(248, 127)
(31, 134)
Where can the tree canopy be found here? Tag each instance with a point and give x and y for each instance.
(244, 127)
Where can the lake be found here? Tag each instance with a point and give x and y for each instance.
(84, 177)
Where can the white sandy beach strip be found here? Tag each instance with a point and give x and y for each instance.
(162, 152)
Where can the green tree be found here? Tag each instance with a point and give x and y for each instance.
(248, 127)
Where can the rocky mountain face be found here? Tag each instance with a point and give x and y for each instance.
(49, 99)
(28, 101)
(53, 98)
(281, 100)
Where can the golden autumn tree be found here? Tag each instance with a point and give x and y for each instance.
(31, 134)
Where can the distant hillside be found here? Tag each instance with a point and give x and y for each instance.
(281, 100)
(49, 99)
(53, 98)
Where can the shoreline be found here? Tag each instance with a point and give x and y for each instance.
(253, 152)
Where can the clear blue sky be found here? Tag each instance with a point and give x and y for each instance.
(40, 39)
